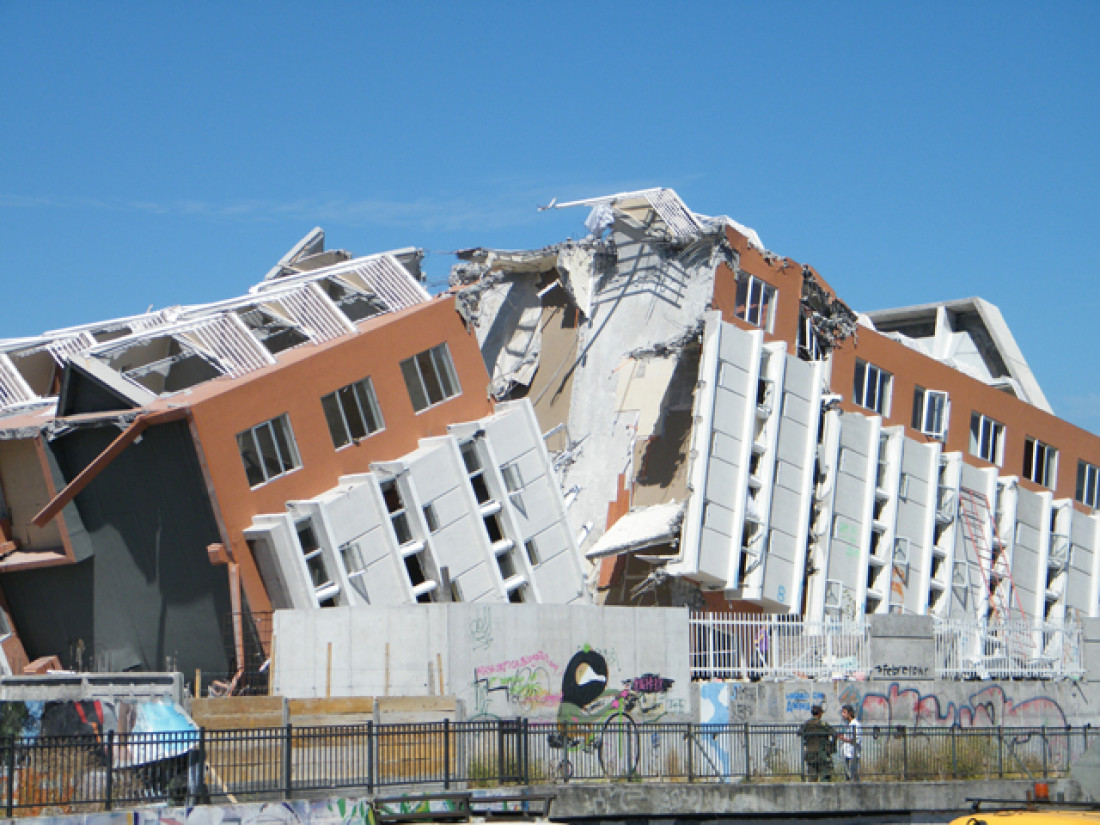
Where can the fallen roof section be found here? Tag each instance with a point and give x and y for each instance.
(641, 528)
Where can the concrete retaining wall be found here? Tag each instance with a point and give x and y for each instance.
(499, 661)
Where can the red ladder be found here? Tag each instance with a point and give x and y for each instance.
(989, 557)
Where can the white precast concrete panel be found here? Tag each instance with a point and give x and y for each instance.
(851, 507)
(282, 551)
(792, 490)
(1032, 525)
(915, 519)
(1079, 587)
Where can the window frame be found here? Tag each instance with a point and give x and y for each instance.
(883, 384)
(280, 434)
(987, 437)
(359, 393)
(755, 301)
(1043, 472)
(443, 385)
(927, 413)
(1084, 483)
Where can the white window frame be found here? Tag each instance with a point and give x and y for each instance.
(931, 412)
(755, 301)
(276, 437)
(872, 387)
(808, 347)
(987, 438)
(1088, 484)
(352, 413)
(1044, 462)
(430, 377)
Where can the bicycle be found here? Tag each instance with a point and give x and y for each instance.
(610, 732)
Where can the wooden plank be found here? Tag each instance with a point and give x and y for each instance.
(236, 704)
(244, 721)
(414, 704)
(335, 705)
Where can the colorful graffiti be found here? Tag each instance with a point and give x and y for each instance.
(525, 683)
(988, 707)
(586, 696)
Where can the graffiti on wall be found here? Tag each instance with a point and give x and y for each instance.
(801, 700)
(536, 685)
(526, 684)
(988, 707)
(587, 696)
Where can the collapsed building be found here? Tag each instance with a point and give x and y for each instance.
(735, 437)
(662, 413)
(325, 440)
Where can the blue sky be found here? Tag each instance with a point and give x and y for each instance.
(161, 153)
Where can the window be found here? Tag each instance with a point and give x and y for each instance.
(1040, 462)
(395, 506)
(430, 377)
(356, 568)
(533, 551)
(872, 388)
(323, 587)
(809, 348)
(352, 413)
(475, 472)
(755, 301)
(930, 412)
(1088, 484)
(268, 450)
(430, 517)
(987, 438)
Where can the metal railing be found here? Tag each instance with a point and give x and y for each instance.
(967, 648)
(750, 646)
(87, 773)
(757, 646)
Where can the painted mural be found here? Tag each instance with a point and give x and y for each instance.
(536, 686)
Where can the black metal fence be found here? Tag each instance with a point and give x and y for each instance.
(88, 773)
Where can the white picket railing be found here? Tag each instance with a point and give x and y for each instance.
(750, 646)
(757, 646)
(967, 649)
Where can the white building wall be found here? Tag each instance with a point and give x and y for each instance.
(915, 515)
(799, 410)
(851, 526)
(725, 418)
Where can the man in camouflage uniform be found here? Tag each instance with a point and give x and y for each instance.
(818, 746)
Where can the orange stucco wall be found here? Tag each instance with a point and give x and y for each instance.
(295, 387)
(782, 273)
(910, 369)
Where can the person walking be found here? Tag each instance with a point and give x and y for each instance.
(818, 746)
(851, 741)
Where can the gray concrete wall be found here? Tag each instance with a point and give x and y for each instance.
(499, 661)
(923, 703)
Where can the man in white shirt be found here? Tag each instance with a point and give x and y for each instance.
(851, 741)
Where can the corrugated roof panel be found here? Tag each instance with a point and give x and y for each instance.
(311, 308)
(62, 348)
(391, 282)
(667, 204)
(226, 338)
(13, 389)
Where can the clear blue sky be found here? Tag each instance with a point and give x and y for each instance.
(161, 153)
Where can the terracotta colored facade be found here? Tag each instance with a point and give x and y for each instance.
(295, 387)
